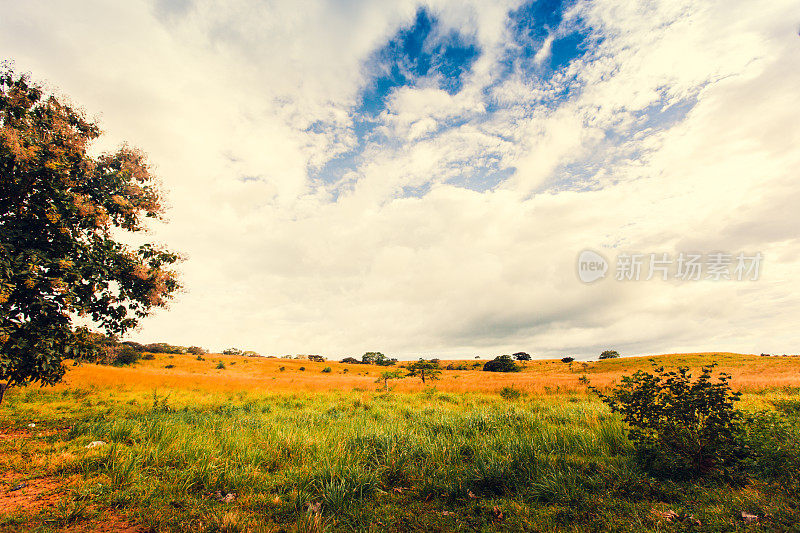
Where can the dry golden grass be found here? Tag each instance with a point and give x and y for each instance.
(750, 373)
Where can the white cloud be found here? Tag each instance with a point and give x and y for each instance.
(222, 95)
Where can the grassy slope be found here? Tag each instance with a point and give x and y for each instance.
(552, 460)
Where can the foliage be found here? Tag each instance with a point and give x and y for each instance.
(220, 366)
(196, 350)
(126, 356)
(163, 347)
(377, 358)
(567, 359)
(522, 356)
(609, 354)
(502, 363)
(425, 369)
(232, 351)
(510, 393)
(680, 426)
(387, 375)
(350, 361)
(327, 370)
(60, 211)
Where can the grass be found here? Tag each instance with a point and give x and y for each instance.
(230, 453)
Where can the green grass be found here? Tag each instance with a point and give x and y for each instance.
(369, 461)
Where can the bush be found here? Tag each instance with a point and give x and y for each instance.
(220, 366)
(567, 359)
(327, 370)
(232, 351)
(169, 366)
(351, 361)
(609, 354)
(125, 355)
(302, 369)
(522, 356)
(510, 393)
(502, 363)
(196, 350)
(148, 356)
(680, 427)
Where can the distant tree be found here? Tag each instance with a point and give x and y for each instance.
(62, 215)
(232, 351)
(387, 375)
(522, 356)
(250, 353)
(477, 357)
(567, 359)
(316, 358)
(196, 350)
(424, 369)
(609, 354)
(351, 361)
(502, 363)
(377, 358)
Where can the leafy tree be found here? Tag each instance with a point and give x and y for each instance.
(609, 354)
(387, 375)
(522, 356)
(567, 359)
(424, 369)
(679, 426)
(502, 363)
(351, 361)
(377, 358)
(196, 350)
(232, 351)
(60, 212)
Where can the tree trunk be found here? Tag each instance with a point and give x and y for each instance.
(3, 387)
(423, 376)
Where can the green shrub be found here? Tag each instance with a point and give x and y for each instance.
(680, 427)
(510, 393)
(148, 356)
(302, 369)
(220, 366)
(502, 363)
(609, 354)
(125, 355)
(327, 370)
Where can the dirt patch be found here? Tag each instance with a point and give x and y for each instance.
(31, 496)
(110, 524)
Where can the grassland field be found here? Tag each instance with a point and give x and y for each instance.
(281, 445)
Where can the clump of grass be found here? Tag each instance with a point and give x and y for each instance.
(220, 366)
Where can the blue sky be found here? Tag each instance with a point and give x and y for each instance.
(418, 177)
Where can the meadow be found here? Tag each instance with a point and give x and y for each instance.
(256, 444)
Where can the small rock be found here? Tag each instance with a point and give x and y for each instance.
(749, 518)
(31, 425)
(95, 444)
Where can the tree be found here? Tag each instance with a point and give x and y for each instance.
(377, 358)
(522, 356)
(502, 363)
(232, 351)
(387, 375)
(567, 359)
(61, 210)
(196, 350)
(350, 361)
(424, 369)
(609, 354)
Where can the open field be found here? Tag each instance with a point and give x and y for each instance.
(252, 447)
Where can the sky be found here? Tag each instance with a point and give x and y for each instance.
(419, 178)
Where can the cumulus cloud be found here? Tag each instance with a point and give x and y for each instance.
(446, 218)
